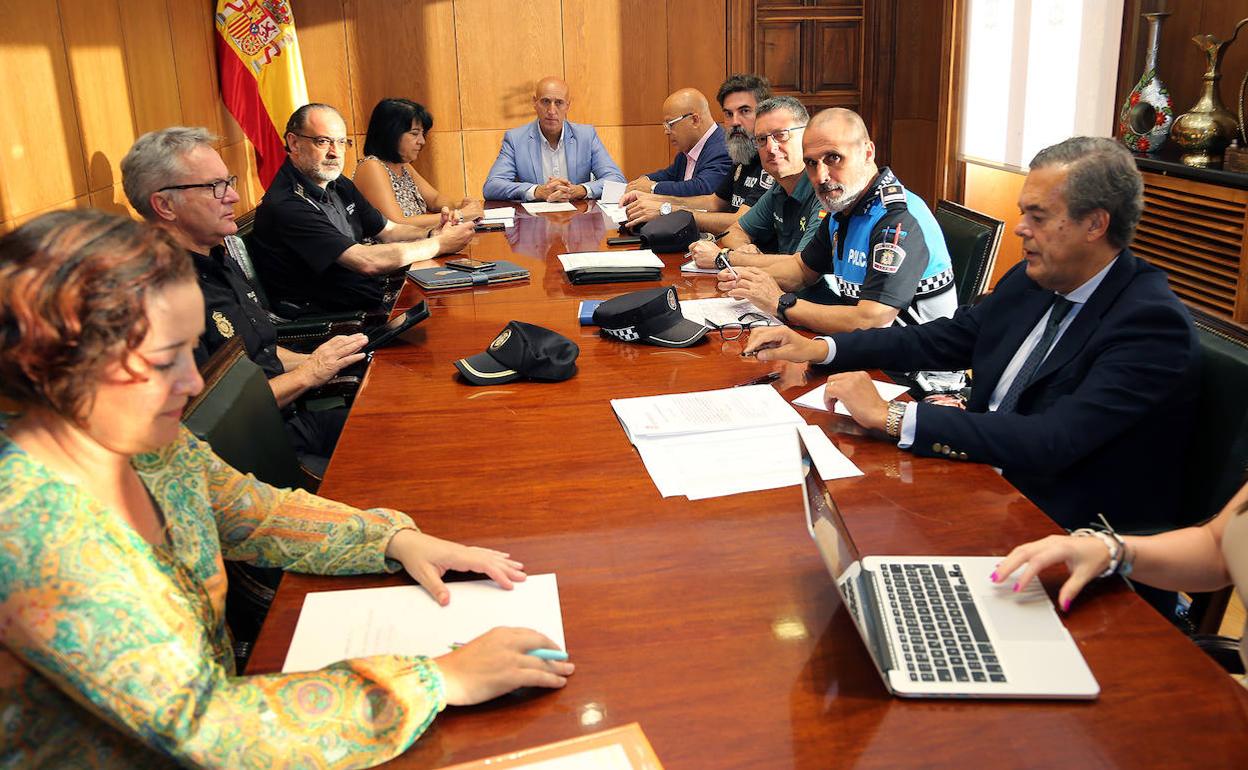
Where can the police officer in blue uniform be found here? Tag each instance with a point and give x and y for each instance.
(881, 245)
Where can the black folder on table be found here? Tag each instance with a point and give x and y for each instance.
(434, 278)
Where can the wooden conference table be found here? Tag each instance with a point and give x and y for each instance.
(714, 623)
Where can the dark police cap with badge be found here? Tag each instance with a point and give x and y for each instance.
(651, 316)
(522, 350)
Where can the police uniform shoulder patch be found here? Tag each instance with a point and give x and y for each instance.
(891, 194)
(887, 257)
(765, 181)
(224, 327)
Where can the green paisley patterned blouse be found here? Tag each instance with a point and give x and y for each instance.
(116, 653)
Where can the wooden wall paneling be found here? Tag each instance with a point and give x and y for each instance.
(101, 87)
(837, 57)
(113, 200)
(879, 54)
(693, 57)
(192, 27)
(949, 117)
(503, 48)
(914, 156)
(441, 162)
(995, 191)
(480, 149)
(240, 160)
(637, 150)
(79, 202)
(41, 161)
(405, 48)
(779, 53)
(327, 68)
(741, 57)
(150, 64)
(916, 152)
(615, 54)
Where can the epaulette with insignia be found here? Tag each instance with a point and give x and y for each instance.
(893, 194)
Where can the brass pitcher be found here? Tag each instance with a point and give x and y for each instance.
(1204, 131)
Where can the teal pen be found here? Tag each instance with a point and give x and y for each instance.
(549, 654)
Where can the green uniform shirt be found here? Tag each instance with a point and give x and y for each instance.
(781, 223)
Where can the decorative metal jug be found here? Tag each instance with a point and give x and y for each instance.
(1204, 131)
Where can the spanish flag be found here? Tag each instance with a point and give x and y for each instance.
(261, 74)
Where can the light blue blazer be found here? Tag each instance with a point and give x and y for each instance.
(519, 163)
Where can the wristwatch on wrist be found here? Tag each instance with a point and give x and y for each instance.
(786, 301)
(665, 208)
(892, 425)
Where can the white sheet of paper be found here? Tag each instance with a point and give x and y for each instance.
(405, 620)
(814, 399)
(542, 207)
(832, 464)
(503, 212)
(720, 310)
(615, 213)
(692, 267)
(611, 757)
(611, 192)
(635, 258)
(751, 406)
(702, 465)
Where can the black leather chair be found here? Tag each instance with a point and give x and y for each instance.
(237, 416)
(1218, 456)
(973, 240)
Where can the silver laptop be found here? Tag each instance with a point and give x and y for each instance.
(937, 626)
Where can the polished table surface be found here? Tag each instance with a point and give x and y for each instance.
(714, 623)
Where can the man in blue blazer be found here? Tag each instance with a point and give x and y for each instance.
(1085, 362)
(702, 163)
(551, 159)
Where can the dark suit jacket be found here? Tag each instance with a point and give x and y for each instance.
(712, 169)
(1102, 428)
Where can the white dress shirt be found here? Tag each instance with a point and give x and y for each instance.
(554, 162)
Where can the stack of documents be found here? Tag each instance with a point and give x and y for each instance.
(692, 267)
(720, 442)
(405, 620)
(614, 212)
(542, 207)
(609, 266)
(718, 311)
(503, 215)
(611, 192)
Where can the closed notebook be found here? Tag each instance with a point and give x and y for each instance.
(611, 266)
(434, 278)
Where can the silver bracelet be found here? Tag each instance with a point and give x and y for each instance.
(1111, 545)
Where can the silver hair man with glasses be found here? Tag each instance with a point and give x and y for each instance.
(739, 97)
(309, 239)
(879, 247)
(176, 180)
(784, 220)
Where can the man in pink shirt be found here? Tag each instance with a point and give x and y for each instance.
(702, 162)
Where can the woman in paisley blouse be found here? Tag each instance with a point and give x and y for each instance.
(114, 521)
(397, 131)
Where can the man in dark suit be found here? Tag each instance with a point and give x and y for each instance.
(1084, 360)
(551, 159)
(702, 162)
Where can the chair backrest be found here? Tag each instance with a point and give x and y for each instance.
(236, 249)
(1218, 455)
(973, 240)
(238, 417)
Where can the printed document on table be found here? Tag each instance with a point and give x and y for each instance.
(702, 465)
(814, 399)
(752, 406)
(611, 192)
(405, 620)
(614, 212)
(499, 214)
(692, 267)
(634, 258)
(721, 310)
(542, 207)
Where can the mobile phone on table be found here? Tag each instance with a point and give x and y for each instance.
(468, 265)
(625, 240)
(489, 227)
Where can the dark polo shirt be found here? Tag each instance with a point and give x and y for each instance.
(780, 223)
(746, 184)
(301, 230)
(232, 309)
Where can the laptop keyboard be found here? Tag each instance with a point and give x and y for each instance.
(941, 634)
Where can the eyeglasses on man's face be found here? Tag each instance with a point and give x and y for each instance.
(744, 322)
(218, 187)
(324, 142)
(668, 125)
(781, 136)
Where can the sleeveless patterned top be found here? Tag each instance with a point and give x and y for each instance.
(411, 202)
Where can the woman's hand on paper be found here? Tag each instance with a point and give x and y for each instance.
(498, 662)
(427, 559)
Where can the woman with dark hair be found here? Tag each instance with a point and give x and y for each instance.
(397, 131)
(1202, 558)
(115, 520)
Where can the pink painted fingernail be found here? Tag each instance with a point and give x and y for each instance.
(1066, 605)
(994, 577)
(1016, 586)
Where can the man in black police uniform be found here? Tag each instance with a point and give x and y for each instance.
(308, 243)
(739, 97)
(176, 180)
